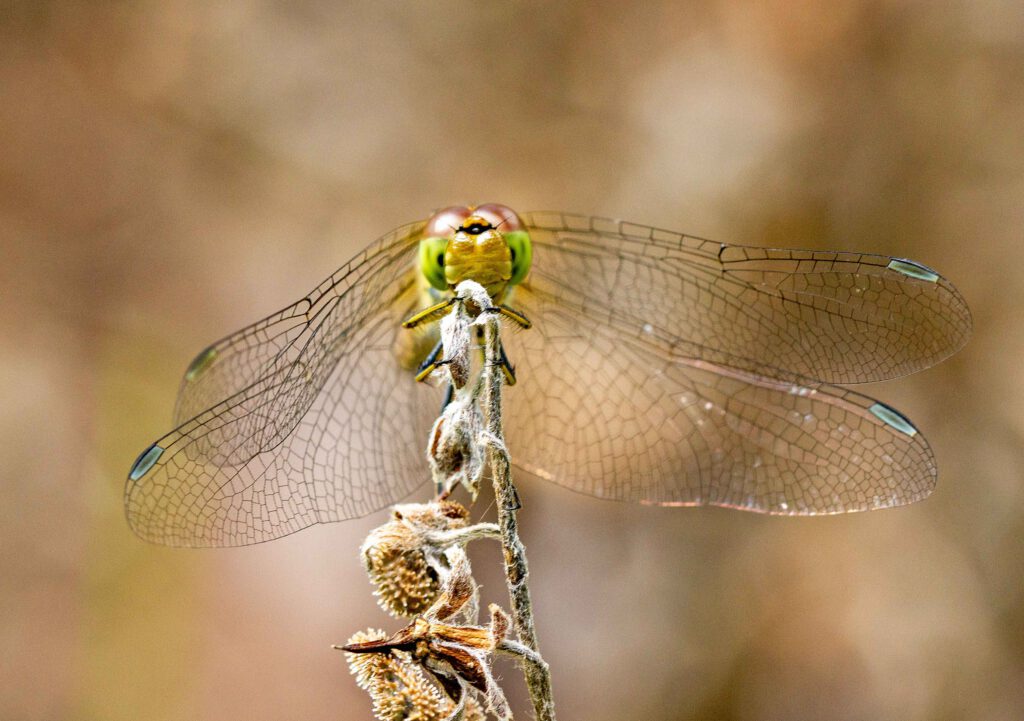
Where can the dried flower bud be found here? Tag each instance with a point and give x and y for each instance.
(455, 452)
(455, 339)
(458, 591)
(500, 623)
(470, 290)
(404, 559)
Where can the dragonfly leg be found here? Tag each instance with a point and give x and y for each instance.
(506, 366)
(512, 314)
(430, 362)
(515, 316)
(438, 310)
(433, 359)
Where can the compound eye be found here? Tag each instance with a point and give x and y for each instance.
(444, 222)
(521, 250)
(431, 260)
(499, 216)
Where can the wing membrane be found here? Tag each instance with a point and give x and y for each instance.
(669, 369)
(314, 418)
(661, 368)
(619, 419)
(291, 351)
(829, 316)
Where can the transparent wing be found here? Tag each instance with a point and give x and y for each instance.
(668, 369)
(301, 418)
(289, 354)
(829, 316)
(618, 419)
(307, 416)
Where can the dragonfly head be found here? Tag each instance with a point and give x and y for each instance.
(486, 243)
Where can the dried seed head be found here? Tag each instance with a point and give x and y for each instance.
(406, 584)
(473, 711)
(400, 688)
(458, 657)
(403, 561)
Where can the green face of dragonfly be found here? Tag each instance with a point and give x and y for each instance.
(435, 251)
(487, 244)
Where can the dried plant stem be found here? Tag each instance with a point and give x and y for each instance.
(538, 675)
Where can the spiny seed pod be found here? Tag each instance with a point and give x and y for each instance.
(400, 688)
(402, 560)
(459, 657)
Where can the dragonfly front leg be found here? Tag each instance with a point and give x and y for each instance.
(428, 315)
(441, 309)
(514, 315)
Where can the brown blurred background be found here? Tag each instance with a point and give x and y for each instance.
(170, 171)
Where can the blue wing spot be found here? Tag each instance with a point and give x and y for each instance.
(913, 269)
(202, 361)
(893, 418)
(145, 461)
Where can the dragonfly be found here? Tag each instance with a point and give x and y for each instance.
(659, 368)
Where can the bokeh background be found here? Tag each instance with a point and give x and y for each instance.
(170, 171)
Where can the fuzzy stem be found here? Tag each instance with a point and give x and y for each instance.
(462, 536)
(538, 676)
